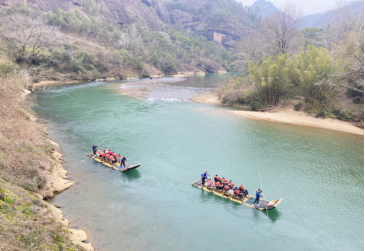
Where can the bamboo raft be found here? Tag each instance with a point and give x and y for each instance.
(116, 166)
(247, 201)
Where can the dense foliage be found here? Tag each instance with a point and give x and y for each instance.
(88, 48)
(321, 70)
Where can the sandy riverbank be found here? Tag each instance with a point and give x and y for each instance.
(289, 116)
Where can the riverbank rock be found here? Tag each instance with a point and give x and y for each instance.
(78, 237)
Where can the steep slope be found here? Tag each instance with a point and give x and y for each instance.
(150, 13)
(224, 21)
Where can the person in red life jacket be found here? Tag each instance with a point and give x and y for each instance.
(110, 152)
(224, 181)
(226, 188)
(99, 154)
(210, 184)
(218, 186)
(216, 178)
(103, 156)
(112, 159)
(105, 150)
(114, 154)
(243, 191)
(119, 158)
(231, 184)
(237, 193)
(107, 158)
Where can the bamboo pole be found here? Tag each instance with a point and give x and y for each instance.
(263, 194)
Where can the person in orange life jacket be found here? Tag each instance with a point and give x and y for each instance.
(218, 186)
(230, 184)
(216, 178)
(210, 183)
(242, 190)
(204, 176)
(114, 154)
(224, 181)
(112, 159)
(122, 161)
(119, 158)
(105, 150)
(226, 188)
(107, 158)
(102, 155)
(258, 195)
(237, 193)
(99, 153)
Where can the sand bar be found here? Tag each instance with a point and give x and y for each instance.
(289, 116)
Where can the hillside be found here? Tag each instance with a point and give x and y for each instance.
(224, 22)
(94, 42)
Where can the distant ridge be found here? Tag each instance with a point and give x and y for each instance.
(321, 19)
(264, 8)
(318, 20)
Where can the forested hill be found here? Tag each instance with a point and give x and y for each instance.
(223, 21)
(122, 39)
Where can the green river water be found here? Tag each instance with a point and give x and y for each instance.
(319, 173)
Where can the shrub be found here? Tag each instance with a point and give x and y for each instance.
(298, 106)
(321, 113)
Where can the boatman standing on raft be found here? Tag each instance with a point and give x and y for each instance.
(258, 195)
(203, 176)
(94, 149)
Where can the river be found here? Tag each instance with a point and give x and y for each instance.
(319, 173)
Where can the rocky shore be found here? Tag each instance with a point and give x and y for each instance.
(56, 182)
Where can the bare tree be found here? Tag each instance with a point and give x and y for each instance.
(341, 21)
(24, 37)
(281, 29)
(252, 46)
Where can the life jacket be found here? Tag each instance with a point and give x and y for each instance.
(210, 182)
(231, 184)
(99, 152)
(236, 192)
(114, 154)
(105, 150)
(242, 188)
(119, 156)
(107, 156)
(111, 158)
(110, 152)
(103, 154)
(219, 184)
(226, 187)
(224, 180)
(216, 178)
